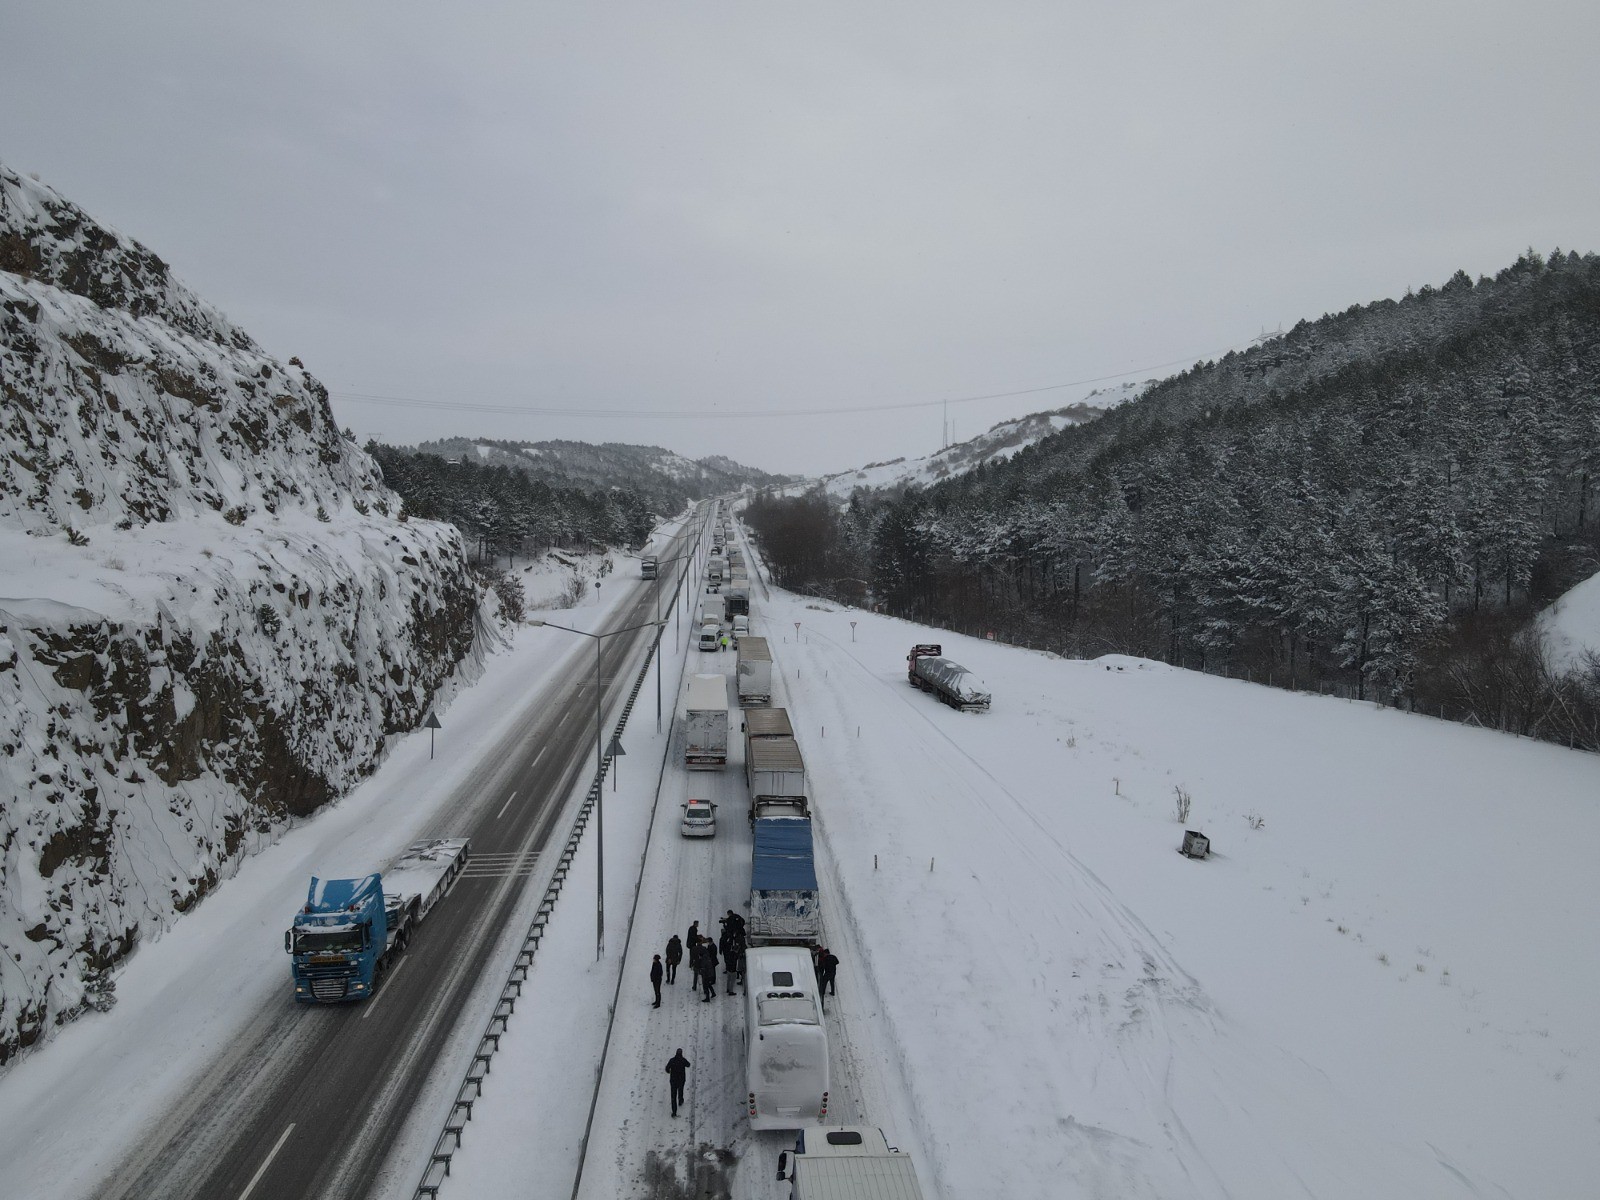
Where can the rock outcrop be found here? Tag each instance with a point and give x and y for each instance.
(213, 614)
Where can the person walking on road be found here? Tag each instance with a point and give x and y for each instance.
(677, 1074)
(708, 970)
(656, 972)
(674, 957)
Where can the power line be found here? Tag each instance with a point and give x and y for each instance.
(478, 406)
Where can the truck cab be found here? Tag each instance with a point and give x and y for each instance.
(338, 939)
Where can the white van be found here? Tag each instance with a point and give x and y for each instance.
(710, 636)
(785, 1040)
(699, 819)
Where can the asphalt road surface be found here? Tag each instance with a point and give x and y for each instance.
(310, 1102)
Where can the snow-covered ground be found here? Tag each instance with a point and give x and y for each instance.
(1571, 626)
(1381, 983)
(71, 1110)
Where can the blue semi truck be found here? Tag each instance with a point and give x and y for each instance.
(349, 930)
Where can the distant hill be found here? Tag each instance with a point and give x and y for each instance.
(996, 444)
(666, 481)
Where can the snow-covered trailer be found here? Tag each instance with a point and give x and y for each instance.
(785, 908)
(950, 682)
(754, 671)
(706, 722)
(848, 1162)
(785, 1040)
(773, 769)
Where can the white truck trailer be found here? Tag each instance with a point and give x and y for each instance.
(706, 723)
(785, 1040)
(775, 771)
(848, 1162)
(755, 671)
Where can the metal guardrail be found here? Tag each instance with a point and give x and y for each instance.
(471, 1089)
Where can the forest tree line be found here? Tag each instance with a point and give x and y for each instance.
(504, 512)
(1374, 504)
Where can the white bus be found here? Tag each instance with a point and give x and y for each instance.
(785, 1040)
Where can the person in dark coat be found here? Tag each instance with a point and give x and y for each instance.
(697, 962)
(830, 966)
(674, 957)
(692, 936)
(677, 1074)
(735, 965)
(708, 969)
(656, 972)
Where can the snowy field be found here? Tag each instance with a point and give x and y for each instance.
(1380, 985)
(1571, 626)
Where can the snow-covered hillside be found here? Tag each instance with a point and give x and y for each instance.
(1571, 626)
(998, 443)
(212, 616)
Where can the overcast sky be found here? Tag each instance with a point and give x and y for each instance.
(767, 207)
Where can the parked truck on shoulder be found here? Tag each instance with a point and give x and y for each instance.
(706, 723)
(847, 1162)
(754, 671)
(950, 682)
(349, 930)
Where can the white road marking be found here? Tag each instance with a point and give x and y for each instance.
(507, 804)
(262, 1169)
(372, 1001)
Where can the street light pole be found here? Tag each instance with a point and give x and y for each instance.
(599, 765)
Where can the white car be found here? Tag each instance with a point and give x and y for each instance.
(699, 819)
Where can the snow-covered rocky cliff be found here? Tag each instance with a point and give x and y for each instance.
(212, 612)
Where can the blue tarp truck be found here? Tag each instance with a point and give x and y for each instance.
(349, 930)
(785, 908)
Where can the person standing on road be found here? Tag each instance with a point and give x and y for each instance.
(708, 969)
(735, 965)
(697, 962)
(674, 957)
(692, 937)
(677, 1074)
(656, 972)
(830, 967)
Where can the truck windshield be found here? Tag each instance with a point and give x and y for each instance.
(312, 941)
